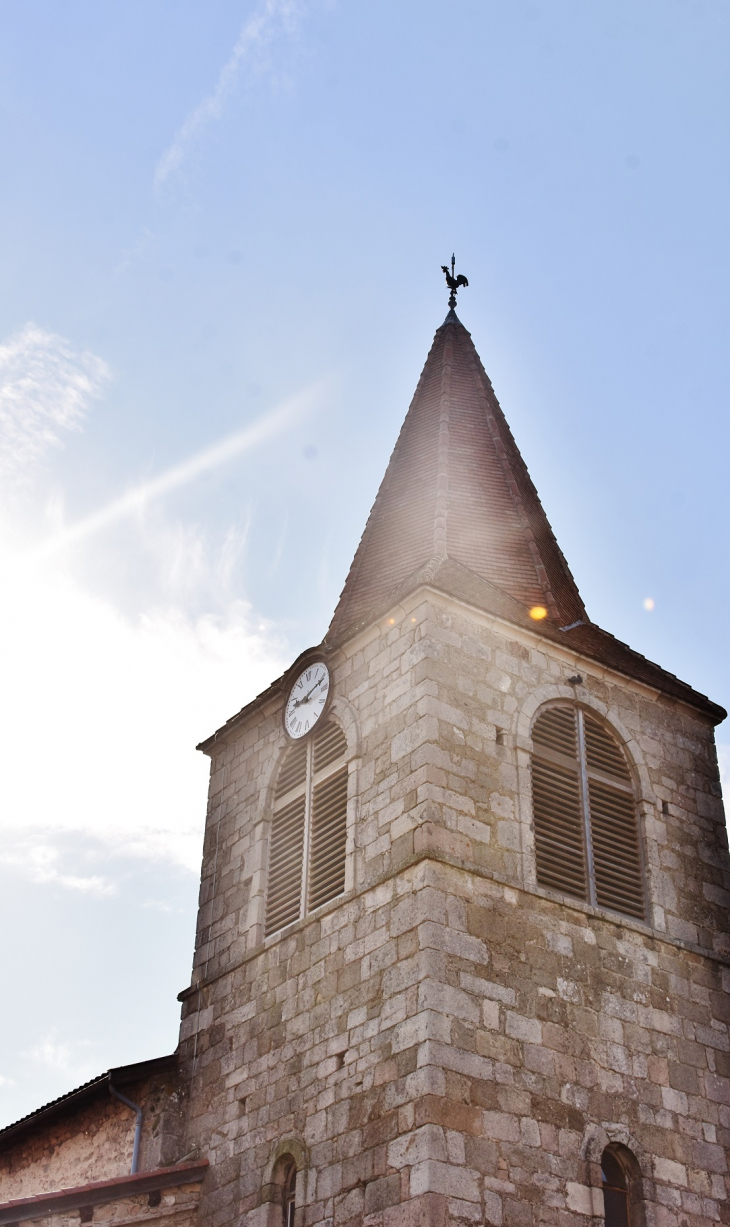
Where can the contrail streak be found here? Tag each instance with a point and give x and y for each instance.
(271, 20)
(136, 500)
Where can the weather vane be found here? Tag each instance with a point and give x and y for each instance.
(453, 282)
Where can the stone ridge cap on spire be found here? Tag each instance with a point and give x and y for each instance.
(452, 318)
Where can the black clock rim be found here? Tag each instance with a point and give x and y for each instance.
(318, 660)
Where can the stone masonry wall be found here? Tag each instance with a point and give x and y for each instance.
(449, 1031)
(445, 1039)
(437, 708)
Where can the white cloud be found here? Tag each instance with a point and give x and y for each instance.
(49, 1052)
(101, 714)
(273, 19)
(100, 711)
(39, 862)
(58, 1056)
(46, 388)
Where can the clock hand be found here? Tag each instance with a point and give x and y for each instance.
(300, 702)
(307, 697)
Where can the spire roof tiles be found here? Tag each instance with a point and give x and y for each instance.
(457, 509)
(457, 487)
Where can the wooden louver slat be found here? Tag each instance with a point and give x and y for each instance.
(602, 752)
(293, 770)
(329, 745)
(329, 835)
(284, 893)
(616, 855)
(309, 812)
(581, 783)
(555, 730)
(558, 817)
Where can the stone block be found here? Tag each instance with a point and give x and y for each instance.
(670, 1171)
(522, 1028)
(582, 1199)
(430, 1176)
(381, 1193)
(427, 1142)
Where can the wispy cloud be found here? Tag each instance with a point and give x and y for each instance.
(111, 684)
(135, 251)
(136, 500)
(49, 1052)
(54, 1054)
(273, 20)
(46, 388)
(127, 699)
(39, 863)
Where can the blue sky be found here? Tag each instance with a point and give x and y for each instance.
(221, 228)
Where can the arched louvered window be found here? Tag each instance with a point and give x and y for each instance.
(308, 828)
(584, 810)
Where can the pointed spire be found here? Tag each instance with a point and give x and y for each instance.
(457, 507)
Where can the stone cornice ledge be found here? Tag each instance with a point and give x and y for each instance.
(443, 858)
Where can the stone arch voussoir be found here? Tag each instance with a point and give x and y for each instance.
(290, 1147)
(524, 719)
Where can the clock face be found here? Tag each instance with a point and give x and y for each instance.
(307, 699)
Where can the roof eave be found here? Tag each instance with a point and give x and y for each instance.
(120, 1075)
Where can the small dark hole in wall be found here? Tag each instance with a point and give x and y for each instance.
(340, 1060)
(665, 807)
(500, 737)
(154, 1198)
(86, 1214)
(242, 1105)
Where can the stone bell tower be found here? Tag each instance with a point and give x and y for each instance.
(463, 939)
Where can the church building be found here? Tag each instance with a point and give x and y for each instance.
(463, 945)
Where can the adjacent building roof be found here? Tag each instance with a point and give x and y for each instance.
(121, 1075)
(102, 1192)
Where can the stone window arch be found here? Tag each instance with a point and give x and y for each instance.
(621, 1184)
(584, 809)
(308, 836)
(280, 1190)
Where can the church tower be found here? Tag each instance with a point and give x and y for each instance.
(463, 933)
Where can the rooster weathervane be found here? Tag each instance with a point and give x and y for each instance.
(454, 283)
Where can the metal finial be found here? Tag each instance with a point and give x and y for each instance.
(452, 281)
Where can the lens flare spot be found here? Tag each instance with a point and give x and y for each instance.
(538, 612)
(649, 603)
(391, 621)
